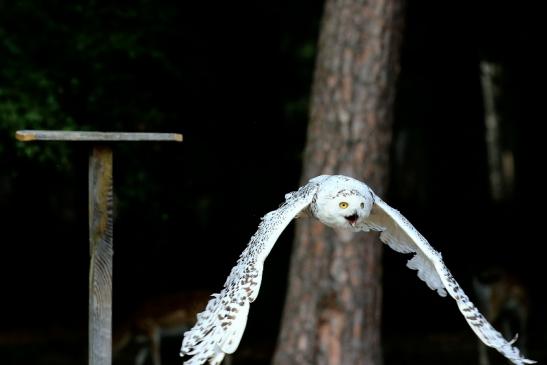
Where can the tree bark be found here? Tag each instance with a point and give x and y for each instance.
(333, 306)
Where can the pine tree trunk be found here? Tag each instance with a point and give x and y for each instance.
(333, 306)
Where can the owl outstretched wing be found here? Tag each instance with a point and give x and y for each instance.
(220, 326)
(400, 235)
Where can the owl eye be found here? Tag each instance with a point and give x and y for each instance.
(343, 205)
(362, 205)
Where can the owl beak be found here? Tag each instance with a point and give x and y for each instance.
(352, 218)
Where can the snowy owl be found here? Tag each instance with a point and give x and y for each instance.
(340, 202)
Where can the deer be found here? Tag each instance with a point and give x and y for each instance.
(503, 298)
(157, 319)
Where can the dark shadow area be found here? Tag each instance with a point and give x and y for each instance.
(234, 78)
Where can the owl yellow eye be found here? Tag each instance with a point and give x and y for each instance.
(343, 205)
(362, 205)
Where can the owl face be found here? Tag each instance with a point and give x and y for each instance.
(343, 208)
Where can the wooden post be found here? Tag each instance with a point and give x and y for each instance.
(100, 249)
(100, 227)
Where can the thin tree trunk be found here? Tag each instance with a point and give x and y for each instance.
(332, 310)
(498, 146)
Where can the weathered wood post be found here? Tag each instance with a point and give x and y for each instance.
(100, 227)
(101, 251)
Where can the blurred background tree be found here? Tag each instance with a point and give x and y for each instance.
(334, 299)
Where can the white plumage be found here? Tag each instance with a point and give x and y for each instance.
(340, 202)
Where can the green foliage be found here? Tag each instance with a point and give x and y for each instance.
(78, 66)
(35, 107)
(151, 66)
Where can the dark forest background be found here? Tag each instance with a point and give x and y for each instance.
(235, 78)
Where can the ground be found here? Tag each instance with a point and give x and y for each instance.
(66, 347)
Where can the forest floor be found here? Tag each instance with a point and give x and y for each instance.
(61, 347)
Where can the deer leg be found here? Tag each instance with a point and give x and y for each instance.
(522, 319)
(142, 354)
(155, 345)
(483, 354)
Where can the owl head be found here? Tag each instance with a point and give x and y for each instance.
(343, 202)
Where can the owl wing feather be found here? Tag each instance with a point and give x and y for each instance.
(400, 235)
(220, 326)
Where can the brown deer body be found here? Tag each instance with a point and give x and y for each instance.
(503, 299)
(157, 319)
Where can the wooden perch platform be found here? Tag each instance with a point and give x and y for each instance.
(31, 135)
(100, 226)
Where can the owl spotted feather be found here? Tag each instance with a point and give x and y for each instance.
(340, 202)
